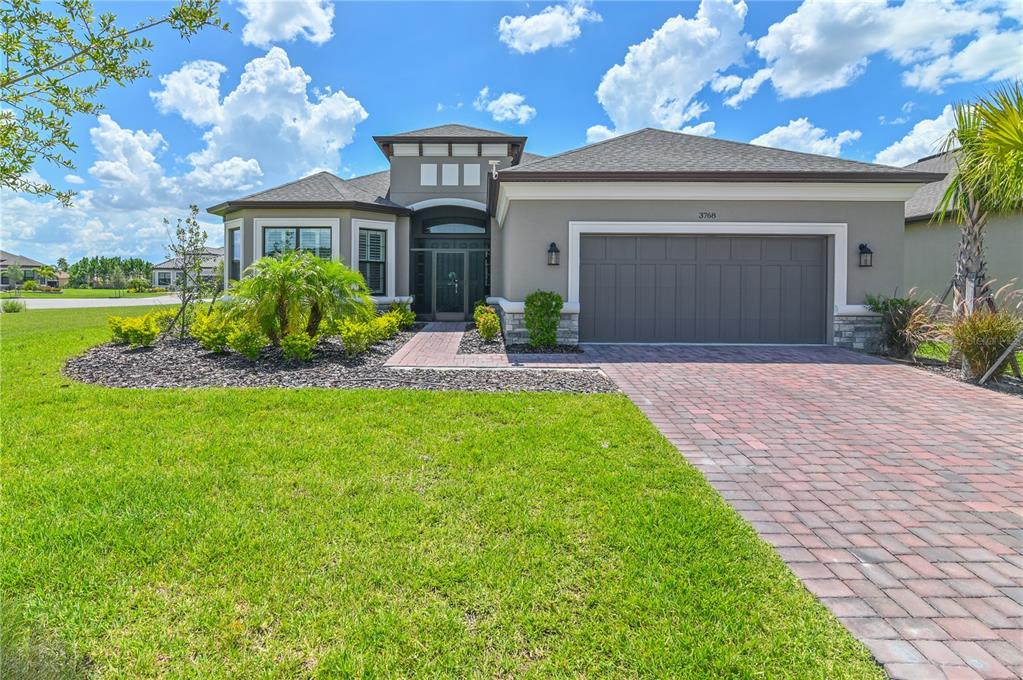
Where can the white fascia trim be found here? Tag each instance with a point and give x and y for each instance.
(519, 307)
(333, 222)
(392, 265)
(839, 230)
(436, 202)
(701, 191)
(237, 223)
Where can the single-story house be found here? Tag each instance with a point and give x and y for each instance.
(651, 236)
(931, 248)
(28, 268)
(167, 273)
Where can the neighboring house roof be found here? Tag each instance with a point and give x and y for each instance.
(924, 202)
(651, 154)
(322, 190)
(209, 260)
(448, 131)
(7, 259)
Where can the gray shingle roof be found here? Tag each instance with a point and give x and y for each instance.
(451, 130)
(377, 183)
(323, 188)
(209, 260)
(660, 152)
(7, 259)
(924, 202)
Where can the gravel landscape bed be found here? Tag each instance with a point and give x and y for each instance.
(1006, 383)
(183, 363)
(472, 343)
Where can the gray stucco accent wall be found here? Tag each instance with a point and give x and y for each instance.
(931, 252)
(400, 249)
(531, 225)
(406, 187)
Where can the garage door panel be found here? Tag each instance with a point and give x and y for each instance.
(682, 249)
(703, 289)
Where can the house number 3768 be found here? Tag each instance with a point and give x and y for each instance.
(708, 215)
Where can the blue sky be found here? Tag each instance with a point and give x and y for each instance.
(304, 85)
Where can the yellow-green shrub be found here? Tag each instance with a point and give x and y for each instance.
(406, 317)
(356, 336)
(384, 326)
(246, 341)
(164, 317)
(984, 336)
(211, 330)
(488, 325)
(298, 345)
(135, 331)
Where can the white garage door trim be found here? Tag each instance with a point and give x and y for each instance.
(840, 230)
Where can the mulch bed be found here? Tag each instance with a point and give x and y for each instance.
(472, 343)
(1007, 384)
(183, 363)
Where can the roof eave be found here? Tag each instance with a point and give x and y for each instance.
(856, 177)
(222, 209)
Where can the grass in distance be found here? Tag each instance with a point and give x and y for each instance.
(324, 533)
(81, 293)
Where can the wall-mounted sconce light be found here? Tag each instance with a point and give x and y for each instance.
(866, 256)
(553, 255)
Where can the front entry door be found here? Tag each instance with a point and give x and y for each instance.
(450, 285)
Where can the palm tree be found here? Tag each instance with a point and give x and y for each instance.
(987, 145)
(47, 273)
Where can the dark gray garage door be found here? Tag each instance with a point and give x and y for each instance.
(702, 289)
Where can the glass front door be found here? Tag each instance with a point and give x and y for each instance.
(450, 285)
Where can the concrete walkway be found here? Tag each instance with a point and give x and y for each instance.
(58, 302)
(895, 495)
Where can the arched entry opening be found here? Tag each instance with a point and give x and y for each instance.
(450, 261)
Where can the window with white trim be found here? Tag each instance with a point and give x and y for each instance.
(315, 240)
(373, 259)
(428, 174)
(163, 278)
(449, 174)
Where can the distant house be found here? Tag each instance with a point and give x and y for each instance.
(28, 267)
(167, 273)
(930, 251)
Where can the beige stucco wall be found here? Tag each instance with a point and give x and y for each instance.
(530, 226)
(931, 252)
(400, 249)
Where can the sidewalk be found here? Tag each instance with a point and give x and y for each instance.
(436, 346)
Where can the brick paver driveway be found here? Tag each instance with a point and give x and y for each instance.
(896, 495)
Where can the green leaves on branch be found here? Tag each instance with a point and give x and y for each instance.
(57, 62)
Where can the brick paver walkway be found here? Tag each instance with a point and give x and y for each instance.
(894, 494)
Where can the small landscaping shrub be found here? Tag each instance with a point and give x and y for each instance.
(246, 341)
(480, 309)
(543, 313)
(138, 285)
(488, 325)
(406, 317)
(298, 346)
(384, 326)
(12, 306)
(356, 336)
(30, 285)
(984, 336)
(897, 319)
(135, 331)
(164, 318)
(211, 330)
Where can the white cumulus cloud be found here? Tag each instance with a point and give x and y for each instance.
(73, 179)
(923, 140)
(270, 21)
(269, 124)
(995, 56)
(825, 45)
(659, 78)
(505, 106)
(192, 92)
(802, 135)
(552, 27)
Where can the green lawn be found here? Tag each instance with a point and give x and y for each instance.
(82, 293)
(939, 351)
(282, 533)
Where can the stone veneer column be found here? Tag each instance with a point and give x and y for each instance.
(861, 332)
